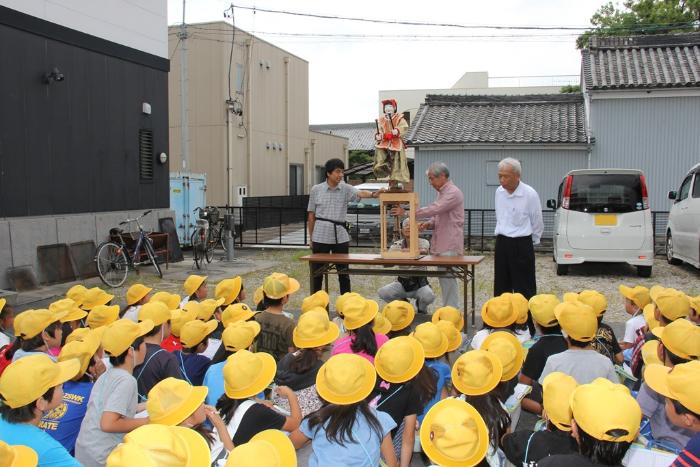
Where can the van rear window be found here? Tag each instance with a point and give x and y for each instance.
(616, 193)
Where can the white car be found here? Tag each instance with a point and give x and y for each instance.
(683, 230)
(603, 215)
(363, 216)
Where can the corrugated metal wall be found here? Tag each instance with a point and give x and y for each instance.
(543, 169)
(660, 136)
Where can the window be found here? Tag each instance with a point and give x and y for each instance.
(239, 78)
(492, 173)
(320, 174)
(696, 186)
(614, 193)
(146, 154)
(296, 179)
(685, 189)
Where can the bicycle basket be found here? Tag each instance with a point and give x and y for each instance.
(209, 213)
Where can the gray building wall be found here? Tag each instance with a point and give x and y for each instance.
(474, 171)
(659, 135)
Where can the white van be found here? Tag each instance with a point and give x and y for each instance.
(683, 230)
(603, 215)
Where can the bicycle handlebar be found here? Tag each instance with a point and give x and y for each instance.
(128, 221)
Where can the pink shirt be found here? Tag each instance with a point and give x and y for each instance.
(446, 216)
(343, 344)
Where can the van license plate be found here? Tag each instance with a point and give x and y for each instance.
(605, 219)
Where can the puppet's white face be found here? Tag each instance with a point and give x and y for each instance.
(389, 109)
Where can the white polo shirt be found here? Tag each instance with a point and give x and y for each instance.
(519, 214)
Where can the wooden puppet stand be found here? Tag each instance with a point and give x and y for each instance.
(388, 200)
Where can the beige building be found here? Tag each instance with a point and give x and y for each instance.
(258, 138)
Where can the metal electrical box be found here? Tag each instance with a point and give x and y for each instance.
(187, 192)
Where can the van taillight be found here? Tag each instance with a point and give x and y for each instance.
(566, 196)
(645, 194)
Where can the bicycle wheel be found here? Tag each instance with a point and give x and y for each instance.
(112, 263)
(152, 256)
(217, 236)
(209, 247)
(196, 242)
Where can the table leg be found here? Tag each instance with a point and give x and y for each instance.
(473, 279)
(465, 280)
(311, 277)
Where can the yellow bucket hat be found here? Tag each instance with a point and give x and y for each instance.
(162, 446)
(381, 324)
(194, 332)
(345, 379)
(240, 335)
(673, 304)
(179, 317)
(314, 330)
(451, 314)
(680, 337)
(278, 285)
(17, 455)
(498, 312)
(454, 337)
(602, 406)
(208, 307)
(31, 323)
(247, 374)
(102, 315)
(509, 351)
(27, 379)
(79, 334)
(236, 312)
(648, 313)
(121, 334)
(136, 292)
(192, 283)
(476, 372)
(318, 299)
(542, 309)
(158, 312)
(399, 313)
(650, 353)
(453, 434)
(680, 383)
(82, 350)
(69, 309)
(358, 311)
(433, 340)
(577, 320)
(172, 300)
(258, 296)
(228, 289)
(399, 359)
(595, 300)
(340, 301)
(520, 305)
(77, 293)
(95, 297)
(637, 294)
(172, 400)
(269, 448)
(557, 388)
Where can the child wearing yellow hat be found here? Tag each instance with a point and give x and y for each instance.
(7, 318)
(195, 288)
(525, 447)
(136, 295)
(436, 344)
(680, 386)
(161, 445)
(18, 455)
(313, 335)
(498, 314)
(358, 320)
(346, 429)
(605, 422)
(113, 400)
(28, 388)
(194, 337)
(178, 318)
(636, 298)
(605, 341)
(240, 335)
(37, 332)
(246, 374)
(63, 423)
(276, 328)
(400, 314)
(230, 290)
(406, 386)
(580, 360)
(271, 448)
(670, 304)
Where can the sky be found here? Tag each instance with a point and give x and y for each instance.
(346, 73)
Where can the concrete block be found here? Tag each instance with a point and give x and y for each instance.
(5, 252)
(76, 228)
(28, 233)
(105, 221)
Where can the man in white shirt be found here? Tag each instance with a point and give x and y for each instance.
(519, 227)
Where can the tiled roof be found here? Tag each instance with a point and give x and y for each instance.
(359, 135)
(642, 62)
(529, 119)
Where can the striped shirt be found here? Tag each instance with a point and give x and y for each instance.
(690, 456)
(331, 203)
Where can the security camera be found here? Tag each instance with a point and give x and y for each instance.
(54, 75)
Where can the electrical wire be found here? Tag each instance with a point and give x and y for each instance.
(175, 49)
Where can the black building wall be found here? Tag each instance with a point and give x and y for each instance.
(73, 146)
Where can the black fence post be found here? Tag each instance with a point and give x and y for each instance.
(469, 230)
(482, 229)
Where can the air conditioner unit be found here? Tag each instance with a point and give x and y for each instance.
(241, 192)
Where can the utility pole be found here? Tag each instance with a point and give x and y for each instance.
(184, 121)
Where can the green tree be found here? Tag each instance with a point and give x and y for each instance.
(569, 88)
(638, 17)
(356, 157)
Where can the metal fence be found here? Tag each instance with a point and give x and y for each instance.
(286, 225)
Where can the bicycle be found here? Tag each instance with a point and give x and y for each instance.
(114, 258)
(202, 239)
